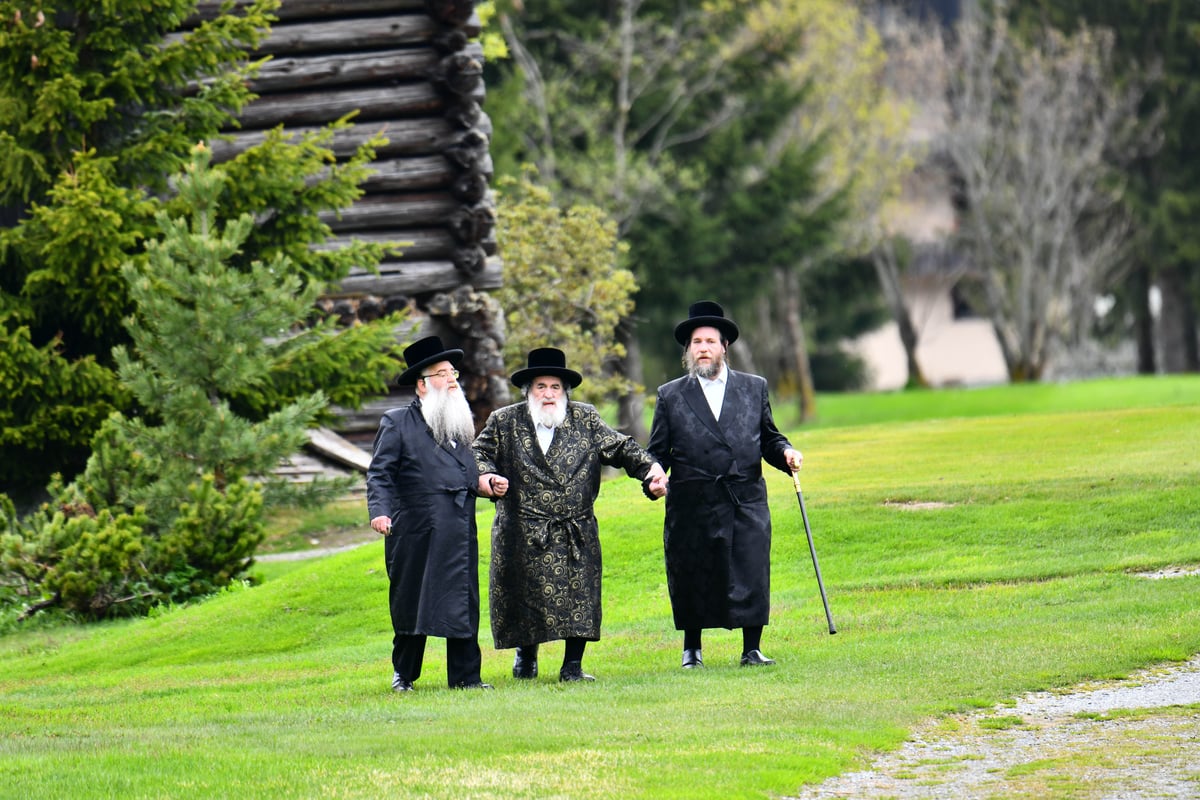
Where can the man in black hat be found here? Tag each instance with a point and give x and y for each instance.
(712, 430)
(541, 459)
(421, 489)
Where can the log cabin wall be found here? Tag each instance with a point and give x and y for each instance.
(411, 71)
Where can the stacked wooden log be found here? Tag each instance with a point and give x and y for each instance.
(410, 70)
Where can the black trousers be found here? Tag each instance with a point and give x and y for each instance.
(463, 658)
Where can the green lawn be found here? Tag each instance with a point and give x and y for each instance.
(985, 548)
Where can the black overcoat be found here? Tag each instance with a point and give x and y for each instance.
(432, 553)
(545, 575)
(717, 529)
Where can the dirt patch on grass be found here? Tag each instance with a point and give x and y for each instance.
(916, 505)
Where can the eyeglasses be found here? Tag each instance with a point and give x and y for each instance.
(443, 374)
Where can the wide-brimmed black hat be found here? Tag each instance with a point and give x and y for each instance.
(705, 313)
(421, 354)
(547, 361)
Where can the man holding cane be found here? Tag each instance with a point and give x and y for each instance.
(712, 430)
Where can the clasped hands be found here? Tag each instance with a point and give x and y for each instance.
(492, 485)
(656, 481)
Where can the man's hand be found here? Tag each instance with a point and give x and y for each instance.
(493, 485)
(793, 458)
(382, 525)
(657, 478)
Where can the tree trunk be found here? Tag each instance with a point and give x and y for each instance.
(795, 346)
(888, 270)
(1177, 323)
(1143, 318)
(631, 407)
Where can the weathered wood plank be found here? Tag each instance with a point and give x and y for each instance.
(340, 34)
(414, 278)
(415, 245)
(409, 174)
(393, 211)
(406, 137)
(330, 445)
(461, 10)
(429, 172)
(301, 9)
(289, 73)
(385, 66)
(358, 426)
(372, 103)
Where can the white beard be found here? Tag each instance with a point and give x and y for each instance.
(706, 371)
(448, 415)
(552, 418)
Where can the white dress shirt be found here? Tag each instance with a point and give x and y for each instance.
(714, 390)
(545, 435)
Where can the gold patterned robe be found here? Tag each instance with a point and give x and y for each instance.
(544, 581)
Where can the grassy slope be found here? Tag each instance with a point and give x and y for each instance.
(1013, 574)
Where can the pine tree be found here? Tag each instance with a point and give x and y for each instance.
(171, 504)
(203, 333)
(100, 103)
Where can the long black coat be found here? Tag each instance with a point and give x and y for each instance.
(717, 530)
(432, 553)
(546, 566)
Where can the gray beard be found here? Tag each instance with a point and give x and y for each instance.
(708, 372)
(551, 419)
(448, 415)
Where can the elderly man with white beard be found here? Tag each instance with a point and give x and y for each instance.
(421, 489)
(541, 460)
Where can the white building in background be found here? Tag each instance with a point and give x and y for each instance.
(952, 351)
(956, 347)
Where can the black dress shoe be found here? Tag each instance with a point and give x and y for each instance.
(399, 684)
(473, 685)
(525, 664)
(755, 658)
(573, 671)
(692, 659)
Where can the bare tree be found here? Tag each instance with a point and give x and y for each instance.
(914, 72)
(861, 96)
(1035, 134)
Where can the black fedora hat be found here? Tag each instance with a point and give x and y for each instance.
(547, 361)
(705, 313)
(421, 354)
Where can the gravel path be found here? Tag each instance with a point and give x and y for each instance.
(1118, 741)
(316, 552)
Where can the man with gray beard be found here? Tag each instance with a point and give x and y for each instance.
(421, 489)
(541, 460)
(712, 430)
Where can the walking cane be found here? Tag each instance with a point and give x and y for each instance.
(813, 550)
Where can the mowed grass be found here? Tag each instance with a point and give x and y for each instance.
(968, 557)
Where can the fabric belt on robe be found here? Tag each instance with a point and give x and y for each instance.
(540, 526)
(729, 482)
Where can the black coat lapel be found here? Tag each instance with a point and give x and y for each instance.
(695, 398)
(462, 452)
